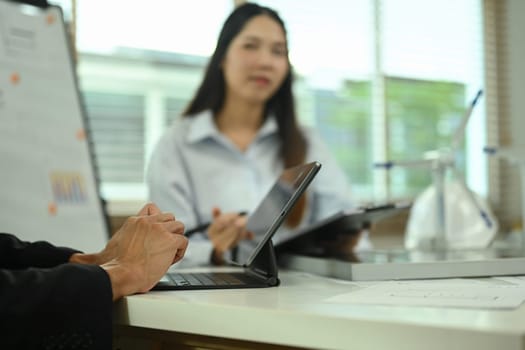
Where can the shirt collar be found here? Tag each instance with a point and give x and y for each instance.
(268, 128)
(203, 126)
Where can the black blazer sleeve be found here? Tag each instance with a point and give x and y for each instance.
(16, 254)
(68, 306)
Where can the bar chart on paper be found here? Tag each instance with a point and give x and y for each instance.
(68, 187)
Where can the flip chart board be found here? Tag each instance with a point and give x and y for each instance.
(48, 183)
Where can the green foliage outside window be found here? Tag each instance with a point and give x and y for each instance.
(343, 120)
(422, 116)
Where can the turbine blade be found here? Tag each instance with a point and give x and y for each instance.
(460, 131)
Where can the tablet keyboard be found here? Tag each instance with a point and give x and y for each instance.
(203, 279)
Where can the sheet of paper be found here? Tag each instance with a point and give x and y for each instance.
(501, 293)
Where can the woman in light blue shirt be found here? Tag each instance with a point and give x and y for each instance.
(236, 136)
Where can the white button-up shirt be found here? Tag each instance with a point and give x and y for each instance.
(194, 168)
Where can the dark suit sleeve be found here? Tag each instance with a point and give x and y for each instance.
(17, 254)
(68, 306)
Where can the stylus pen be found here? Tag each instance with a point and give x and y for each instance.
(204, 226)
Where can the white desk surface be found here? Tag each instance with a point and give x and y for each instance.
(296, 314)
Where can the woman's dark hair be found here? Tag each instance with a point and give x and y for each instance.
(210, 94)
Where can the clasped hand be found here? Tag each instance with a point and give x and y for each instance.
(141, 251)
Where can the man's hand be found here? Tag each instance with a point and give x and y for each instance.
(140, 252)
(111, 250)
(146, 250)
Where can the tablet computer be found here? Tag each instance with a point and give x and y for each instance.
(343, 222)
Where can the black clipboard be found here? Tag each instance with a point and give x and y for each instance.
(344, 222)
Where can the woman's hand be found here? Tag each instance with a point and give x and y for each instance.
(225, 232)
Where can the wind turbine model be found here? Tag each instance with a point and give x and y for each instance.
(439, 161)
(518, 158)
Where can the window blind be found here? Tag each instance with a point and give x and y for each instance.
(117, 125)
(504, 183)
